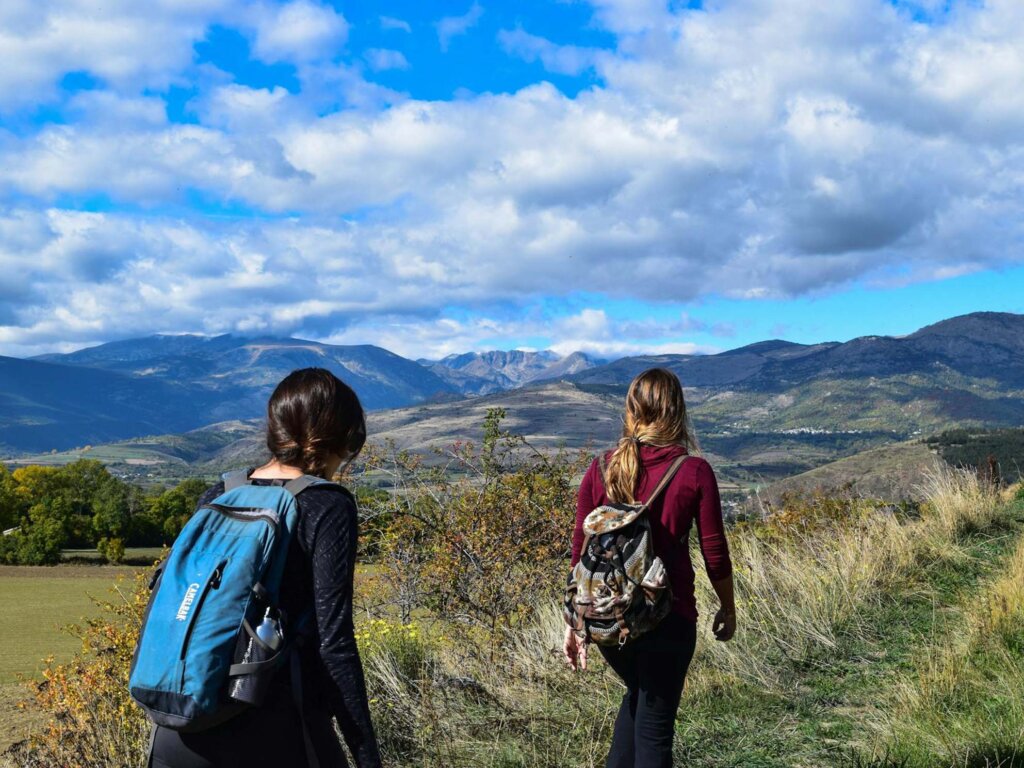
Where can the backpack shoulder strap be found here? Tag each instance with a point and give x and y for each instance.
(299, 484)
(235, 479)
(666, 479)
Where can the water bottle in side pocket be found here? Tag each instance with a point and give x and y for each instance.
(260, 645)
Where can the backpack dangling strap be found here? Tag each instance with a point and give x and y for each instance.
(235, 479)
(666, 479)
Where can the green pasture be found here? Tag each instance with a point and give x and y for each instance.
(35, 603)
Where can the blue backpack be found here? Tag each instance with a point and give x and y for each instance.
(223, 573)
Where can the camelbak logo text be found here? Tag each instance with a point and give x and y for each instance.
(190, 595)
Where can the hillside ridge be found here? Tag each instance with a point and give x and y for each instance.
(963, 371)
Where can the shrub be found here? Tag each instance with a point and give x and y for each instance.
(111, 550)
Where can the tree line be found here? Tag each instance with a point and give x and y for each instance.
(982, 449)
(44, 510)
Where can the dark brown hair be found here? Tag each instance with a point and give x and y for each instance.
(655, 415)
(312, 415)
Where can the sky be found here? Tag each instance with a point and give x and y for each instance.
(615, 176)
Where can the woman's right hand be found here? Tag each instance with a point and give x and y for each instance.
(574, 651)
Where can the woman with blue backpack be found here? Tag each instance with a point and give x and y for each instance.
(631, 589)
(247, 649)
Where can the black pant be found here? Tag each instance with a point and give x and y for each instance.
(265, 737)
(653, 669)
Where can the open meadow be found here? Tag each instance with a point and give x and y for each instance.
(36, 602)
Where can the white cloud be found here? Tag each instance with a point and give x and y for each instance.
(127, 276)
(298, 31)
(560, 59)
(632, 16)
(390, 22)
(586, 331)
(453, 26)
(126, 45)
(381, 59)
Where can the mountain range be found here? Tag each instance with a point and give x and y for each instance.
(773, 407)
(174, 383)
(481, 373)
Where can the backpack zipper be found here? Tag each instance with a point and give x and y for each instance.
(245, 514)
(212, 582)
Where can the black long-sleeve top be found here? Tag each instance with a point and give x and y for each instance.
(318, 572)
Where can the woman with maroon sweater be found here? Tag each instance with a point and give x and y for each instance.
(653, 667)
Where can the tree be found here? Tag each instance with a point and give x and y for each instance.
(85, 482)
(35, 484)
(172, 509)
(111, 512)
(476, 539)
(41, 536)
(10, 503)
(73, 486)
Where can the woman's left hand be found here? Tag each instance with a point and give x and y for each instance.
(724, 625)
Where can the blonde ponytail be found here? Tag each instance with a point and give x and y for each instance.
(655, 415)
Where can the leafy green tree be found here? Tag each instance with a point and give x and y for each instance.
(35, 484)
(40, 538)
(173, 508)
(71, 490)
(84, 483)
(111, 511)
(10, 504)
(41, 543)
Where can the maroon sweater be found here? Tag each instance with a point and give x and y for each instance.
(692, 496)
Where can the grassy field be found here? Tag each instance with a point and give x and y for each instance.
(35, 602)
(836, 705)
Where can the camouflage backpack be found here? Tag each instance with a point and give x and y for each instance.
(618, 590)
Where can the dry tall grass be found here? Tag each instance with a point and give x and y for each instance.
(802, 589)
(958, 503)
(801, 583)
(964, 703)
